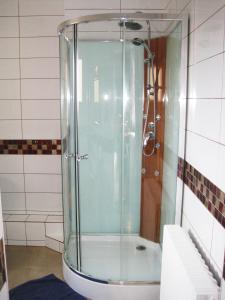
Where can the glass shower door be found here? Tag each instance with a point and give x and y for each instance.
(100, 107)
(71, 236)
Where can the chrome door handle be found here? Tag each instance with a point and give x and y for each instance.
(81, 157)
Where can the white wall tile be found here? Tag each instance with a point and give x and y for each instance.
(222, 133)
(143, 4)
(10, 89)
(44, 202)
(13, 202)
(17, 218)
(9, 27)
(36, 243)
(52, 244)
(39, 47)
(42, 164)
(10, 129)
(38, 183)
(55, 230)
(12, 183)
(9, 48)
(41, 7)
(172, 7)
(55, 219)
(35, 231)
(95, 4)
(39, 26)
(191, 59)
(221, 164)
(181, 4)
(38, 109)
(198, 216)
(40, 68)
(11, 163)
(8, 7)
(37, 218)
(76, 13)
(218, 244)
(9, 69)
(209, 37)
(16, 231)
(205, 84)
(200, 112)
(205, 8)
(61, 247)
(223, 89)
(5, 217)
(41, 129)
(203, 155)
(40, 89)
(16, 243)
(10, 109)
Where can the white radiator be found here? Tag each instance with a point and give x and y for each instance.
(184, 273)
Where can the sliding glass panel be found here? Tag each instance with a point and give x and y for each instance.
(100, 107)
(68, 147)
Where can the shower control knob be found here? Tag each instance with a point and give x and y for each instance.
(151, 125)
(158, 117)
(156, 173)
(143, 171)
(157, 145)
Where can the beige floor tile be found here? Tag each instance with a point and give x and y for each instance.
(27, 263)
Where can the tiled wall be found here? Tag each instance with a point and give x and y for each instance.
(34, 230)
(205, 149)
(30, 106)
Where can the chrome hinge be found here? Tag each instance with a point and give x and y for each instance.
(69, 155)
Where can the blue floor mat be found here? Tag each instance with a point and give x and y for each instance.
(45, 288)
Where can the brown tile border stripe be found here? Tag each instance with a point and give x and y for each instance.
(41, 147)
(206, 191)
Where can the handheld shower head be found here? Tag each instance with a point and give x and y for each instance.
(139, 42)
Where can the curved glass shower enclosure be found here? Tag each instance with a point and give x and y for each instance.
(120, 111)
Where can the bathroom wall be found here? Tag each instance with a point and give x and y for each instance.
(204, 198)
(30, 170)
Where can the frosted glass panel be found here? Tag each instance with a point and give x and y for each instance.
(132, 141)
(100, 96)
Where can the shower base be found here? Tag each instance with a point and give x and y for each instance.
(128, 273)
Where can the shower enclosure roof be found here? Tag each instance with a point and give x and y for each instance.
(119, 16)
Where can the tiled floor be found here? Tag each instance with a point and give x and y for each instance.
(26, 263)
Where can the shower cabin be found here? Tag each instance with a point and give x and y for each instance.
(123, 101)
